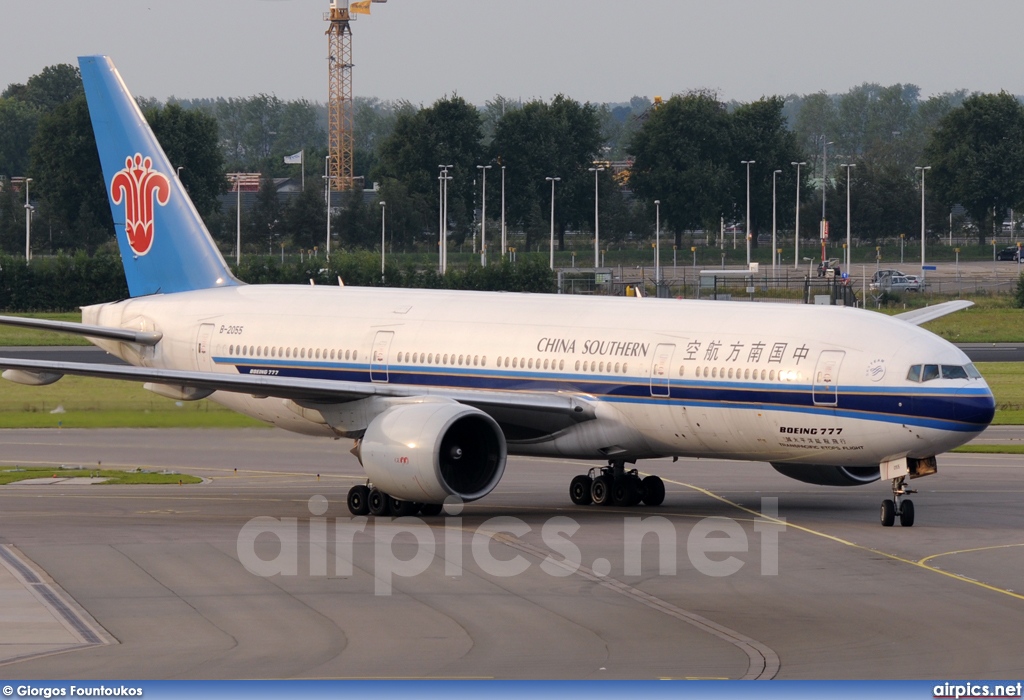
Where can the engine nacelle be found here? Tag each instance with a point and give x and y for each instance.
(828, 475)
(426, 452)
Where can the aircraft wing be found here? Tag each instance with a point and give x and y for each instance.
(123, 334)
(532, 412)
(930, 313)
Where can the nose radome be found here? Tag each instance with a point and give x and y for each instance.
(972, 407)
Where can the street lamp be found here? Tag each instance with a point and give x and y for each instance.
(597, 246)
(848, 253)
(444, 177)
(553, 180)
(774, 229)
(657, 246)
(238, 218)
(503, 212)
(382, 210)
(823, 233)
(748, 163)
(922, 168)
(327, 172)
(483, 216)
(796, 230)
(28, 223)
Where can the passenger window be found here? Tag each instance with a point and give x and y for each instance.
(577, 361)
(771, 376)
(561, 365)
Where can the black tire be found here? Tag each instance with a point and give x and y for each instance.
(625, 492)
(379, 502)
(907, 513)
(579, 490)
(430, 510)
(403, 509)
(601, 491)
(653, 490)
(888, 513)
(358, 500)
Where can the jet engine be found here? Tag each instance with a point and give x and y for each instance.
(425, 452)
(828, 475)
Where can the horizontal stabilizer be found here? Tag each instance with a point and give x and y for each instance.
(930, 313)
(123, 334)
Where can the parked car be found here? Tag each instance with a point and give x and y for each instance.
(1011, 253)
(898, 283)
(881, 275)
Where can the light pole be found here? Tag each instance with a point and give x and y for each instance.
(444, 177)
(823, 234)
(922, 168)
(28, 223)
(327, 172)
(796, 229)
(597, 247)
(238, 217)
(657, 246)
(503, 248)
(382, 210)
(553, 180)
(748, 163)
(848, 253)
(483, 216)
(774, 228)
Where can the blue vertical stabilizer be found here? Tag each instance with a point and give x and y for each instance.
(164, 244)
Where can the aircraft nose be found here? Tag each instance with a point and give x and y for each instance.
(970, 406)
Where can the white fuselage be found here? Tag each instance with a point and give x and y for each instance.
(771, 382)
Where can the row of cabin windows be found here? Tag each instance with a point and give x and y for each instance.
(530, 363)
(292, 353)
(732, 373)
(446, 359)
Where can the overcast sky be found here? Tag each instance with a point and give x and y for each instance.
(590, 50)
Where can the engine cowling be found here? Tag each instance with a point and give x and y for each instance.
(828, 475)
(426, 452)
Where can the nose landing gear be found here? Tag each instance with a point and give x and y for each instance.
(898, 506)
(614, 485)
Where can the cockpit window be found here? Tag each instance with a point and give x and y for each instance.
(953, 372)
(926, 373)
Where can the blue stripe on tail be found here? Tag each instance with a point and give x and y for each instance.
(164, 244)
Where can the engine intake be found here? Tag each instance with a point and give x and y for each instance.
(828, 475)
(426, 452)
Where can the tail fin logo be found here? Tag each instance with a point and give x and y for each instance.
(141, 188)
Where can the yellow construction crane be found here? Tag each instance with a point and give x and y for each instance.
(340, 107)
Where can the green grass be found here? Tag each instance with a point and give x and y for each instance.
(12, 336)
(113, 476)
(1007, 382)
(991, 449)
(100, 403)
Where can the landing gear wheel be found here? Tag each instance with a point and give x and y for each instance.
(907, 513)
(378, 502)
(888, 512)
(653, 490)
(401, 509)
(429, 510)
(358, 500)
(579, 490)
(601, 491)
(624, 492)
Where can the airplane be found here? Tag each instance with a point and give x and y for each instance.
(437, 388)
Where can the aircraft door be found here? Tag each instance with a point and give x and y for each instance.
(379, 356)
(825, 384)
(204, 351)
(660, 369)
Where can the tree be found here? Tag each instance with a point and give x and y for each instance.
(683, 157)
(541, 140)
(977, 155)
(190, 140)
(68, 179)
(18, 123)
(48, 89)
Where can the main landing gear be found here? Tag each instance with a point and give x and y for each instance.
(616, 486)
(897, 505)
(366, 499)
